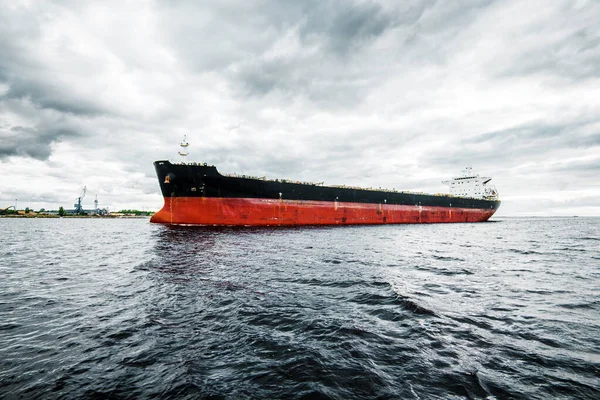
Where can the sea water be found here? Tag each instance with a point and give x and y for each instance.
(109, 308)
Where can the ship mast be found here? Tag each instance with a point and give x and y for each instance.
(183, 152)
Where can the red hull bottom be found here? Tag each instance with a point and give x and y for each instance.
(268, 212)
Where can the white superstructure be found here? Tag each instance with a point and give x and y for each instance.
(469, 184)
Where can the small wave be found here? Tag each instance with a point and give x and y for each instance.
(379, 283)
(344, 284)
(122, 334)
(446, 258)
(178, 314)
(575, 306)
(571, 249)
(525, 252)
(228, 285)
(142, 360)
(444, 271)
(475, 321)
(539, 291)
(503, 309)
(373, 299)
(450, 272)
(414, 307)
(360, 262)
(386, 314)
(541, 339)
(8, 327)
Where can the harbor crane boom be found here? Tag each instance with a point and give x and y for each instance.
(78, 207)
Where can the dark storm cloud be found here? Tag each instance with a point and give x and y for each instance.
(210, 38)
(534, 134)
(346, 26)
(521, 143)
(260, 78)
(328, 68)
(31, 142)
(289, 78)
(28, 78)
(337, 31)
(336, 64)
(588, 167)
(576, 57)
(237, 31)
(45, 95)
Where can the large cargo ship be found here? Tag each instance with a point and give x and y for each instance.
(198, 194)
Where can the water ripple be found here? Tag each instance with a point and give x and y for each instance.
(125, 309)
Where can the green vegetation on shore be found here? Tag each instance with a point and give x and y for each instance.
(137, 213)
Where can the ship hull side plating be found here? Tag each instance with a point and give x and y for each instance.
(199, 195)
(270, 212)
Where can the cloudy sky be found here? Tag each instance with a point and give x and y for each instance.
(397, 94)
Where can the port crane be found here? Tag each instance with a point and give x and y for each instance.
(5, 210)
(78, 207)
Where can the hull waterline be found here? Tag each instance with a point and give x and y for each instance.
(197, 194)
(271, 212)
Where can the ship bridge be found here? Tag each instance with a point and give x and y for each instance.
(469, 184)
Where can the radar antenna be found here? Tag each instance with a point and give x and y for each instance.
(184, 145)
